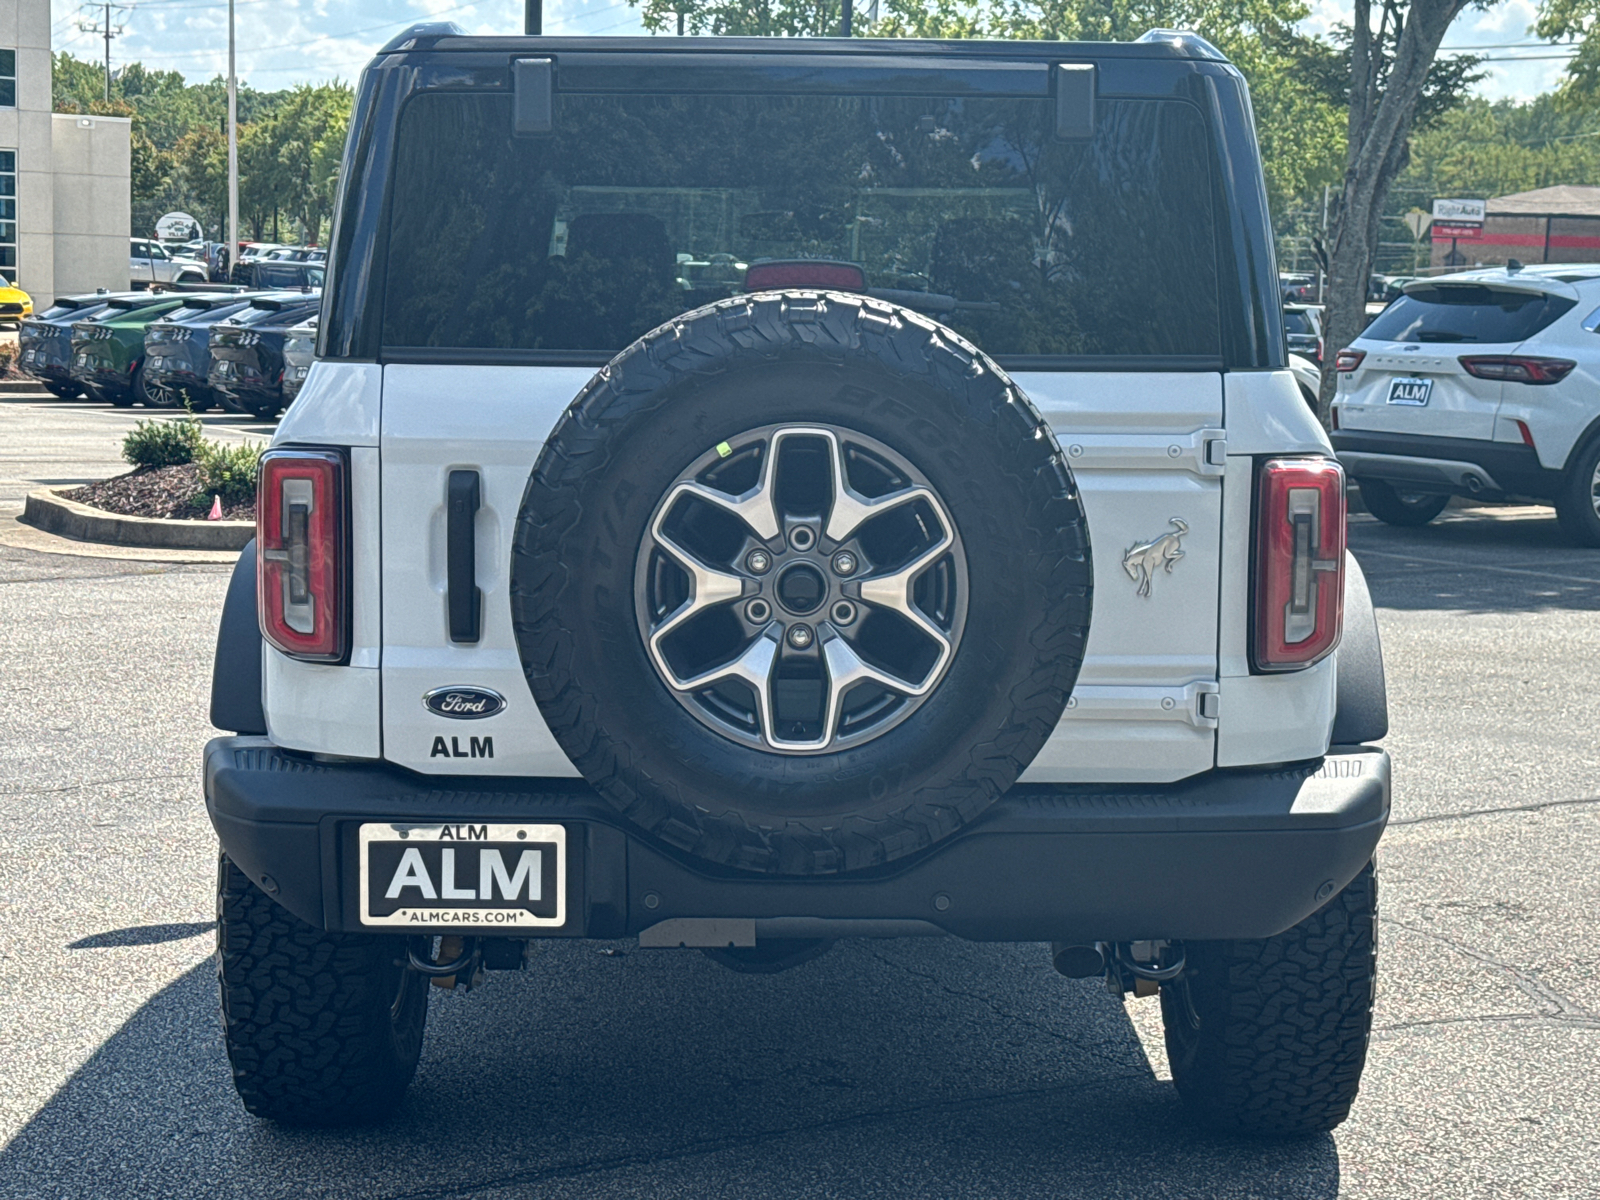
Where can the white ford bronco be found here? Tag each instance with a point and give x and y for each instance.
(823, 489)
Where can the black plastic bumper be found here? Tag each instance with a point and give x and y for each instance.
(1514, 467)
(1228, 854)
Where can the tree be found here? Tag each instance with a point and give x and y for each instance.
(1575, 21)
(1390, 74)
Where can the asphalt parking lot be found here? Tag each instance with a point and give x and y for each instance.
(911, 1068)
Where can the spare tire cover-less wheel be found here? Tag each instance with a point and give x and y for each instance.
(801, 582)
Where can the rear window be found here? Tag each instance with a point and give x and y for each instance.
(1297, 322)
(641, 207)
(1466, 313)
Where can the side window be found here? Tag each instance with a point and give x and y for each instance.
(8, 78)
(8, 214)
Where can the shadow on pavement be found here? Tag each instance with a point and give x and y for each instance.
(1478, 560)
(143, 935)
(898, 1068)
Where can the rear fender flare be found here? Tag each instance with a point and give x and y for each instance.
(236, 674)
(1361, 711)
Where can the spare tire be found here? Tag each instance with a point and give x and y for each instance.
(801, 582)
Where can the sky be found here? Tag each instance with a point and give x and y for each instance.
(283, 42)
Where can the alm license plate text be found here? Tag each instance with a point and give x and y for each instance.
(484, 876)
(1414, 392)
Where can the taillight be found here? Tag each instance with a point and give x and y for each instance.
(1299, 562)
(804, 273)
(1348, 360)
(1518, 368)
(302, 558)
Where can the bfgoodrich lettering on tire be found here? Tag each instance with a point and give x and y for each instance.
(801, 582)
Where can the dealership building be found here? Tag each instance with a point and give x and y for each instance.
(64, 178)
(1553, 224)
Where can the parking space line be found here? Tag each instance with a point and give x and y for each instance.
(1545, 575)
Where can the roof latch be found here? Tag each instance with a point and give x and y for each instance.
(1075, 87)
(533, 81)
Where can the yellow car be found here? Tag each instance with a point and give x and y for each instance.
(15, 304)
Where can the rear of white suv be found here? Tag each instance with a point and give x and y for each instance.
(1484, 384)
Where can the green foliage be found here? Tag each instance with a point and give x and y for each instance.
(290, 144)
(1575, 21)
(163, 443)
(229, 472)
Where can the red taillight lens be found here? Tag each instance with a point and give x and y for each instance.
(1518, 368)
(1348, 360)
(301, 554)
(805, 273)
(1299, 562)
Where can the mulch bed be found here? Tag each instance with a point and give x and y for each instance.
(156, 492)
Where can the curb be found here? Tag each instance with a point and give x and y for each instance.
(48, 511)
(22, 387)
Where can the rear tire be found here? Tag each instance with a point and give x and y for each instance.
(321, 1028)
(1409, 510)
(62, 391)
(1576, 505)
(1270, 1036)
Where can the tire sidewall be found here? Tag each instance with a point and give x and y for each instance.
(719, 798)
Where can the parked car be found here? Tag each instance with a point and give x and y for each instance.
(149, 262)
(178, 351)
(275, 275)
(108, 348)
(250, 253)
(1297, 289)
(44, 342)
(1307, 377)
(299, 349)
(15, 304)
(247, 366)
(1484, 384)
(1302, 326)
(732, 628)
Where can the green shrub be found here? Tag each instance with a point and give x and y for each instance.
(228, 471)
(163, 443)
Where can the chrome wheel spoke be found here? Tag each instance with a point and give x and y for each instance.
(753, 667)
(892, 591)
(708, 587)
(850, 510)
(754, 507)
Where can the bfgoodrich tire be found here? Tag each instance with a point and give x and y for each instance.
(1270, 1036)
(321, 1028)
(938, 427)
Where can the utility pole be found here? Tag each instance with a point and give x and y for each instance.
(233, 150)
(106, 30)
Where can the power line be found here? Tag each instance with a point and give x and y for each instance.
(105, 30)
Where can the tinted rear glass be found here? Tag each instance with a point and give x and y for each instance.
(1297, 322)
(642, 207)
(1466, 313)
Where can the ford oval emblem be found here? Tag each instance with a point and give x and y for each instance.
(464, 703)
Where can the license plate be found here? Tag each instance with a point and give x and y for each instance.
(482, 876)
(223, 369)
(81, 360)
(1414, 392)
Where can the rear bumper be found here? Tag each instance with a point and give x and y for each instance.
(1455, 466)
(1229, 854)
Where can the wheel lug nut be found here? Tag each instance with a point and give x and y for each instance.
(844, 612)
(844, 563)
(759, 561)
(758, 611)
(800, 636)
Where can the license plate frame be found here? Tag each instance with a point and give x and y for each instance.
(541, 885)
(1411, 391)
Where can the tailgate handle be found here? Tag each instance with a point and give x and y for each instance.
(461, 557)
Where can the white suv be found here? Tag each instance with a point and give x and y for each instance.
(1484, 384)
(961, 560)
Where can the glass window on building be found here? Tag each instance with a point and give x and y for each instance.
(8, 215)
(8, 78)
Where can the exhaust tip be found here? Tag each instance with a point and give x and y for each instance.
(1077, 962)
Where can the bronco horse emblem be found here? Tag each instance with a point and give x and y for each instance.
(1142, 560)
